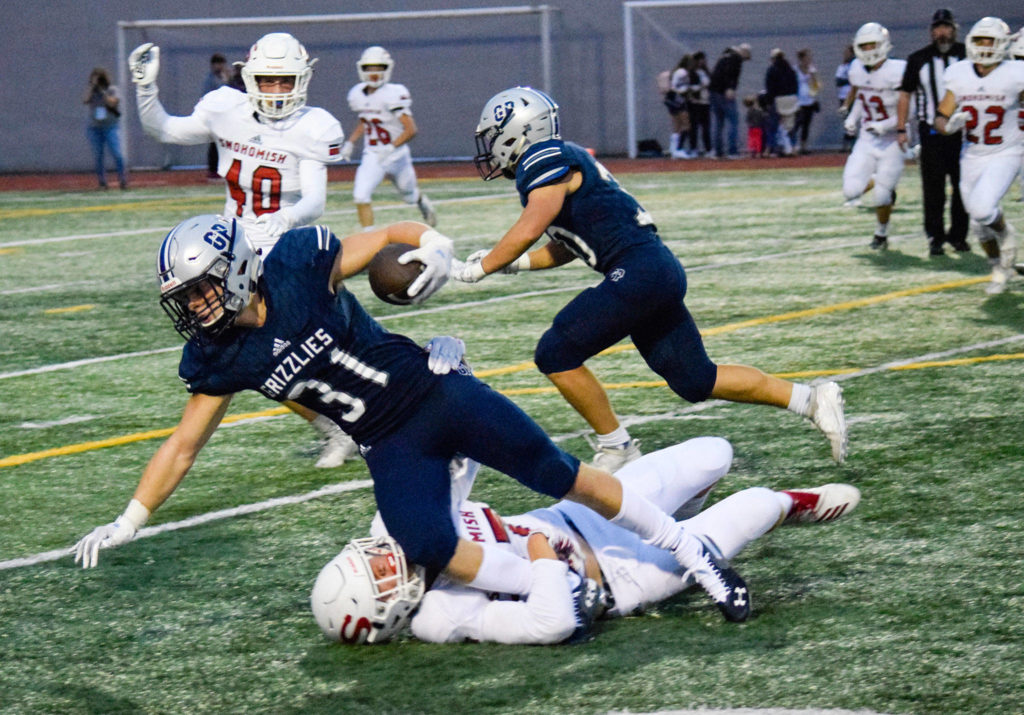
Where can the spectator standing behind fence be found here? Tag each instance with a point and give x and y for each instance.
(808, 86)
(104, 124)
(677, 103)
(781, 86)
(940, 153)
(722, 92)
(217, 78)
(843, 91)
(700, 109)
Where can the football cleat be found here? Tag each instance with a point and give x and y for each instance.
(961, 245)
(612, 459)
(726, 587)
(586, 601)
(427, 210)
(819, 504)
(879, 243)
(1000, 277)
(337, 447)
(1007, 249)
(935, 248)
(827, 414)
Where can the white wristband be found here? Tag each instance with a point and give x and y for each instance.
(522, 263)
(431, 236)
(136, 513)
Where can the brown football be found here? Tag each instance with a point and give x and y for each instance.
(389, 279)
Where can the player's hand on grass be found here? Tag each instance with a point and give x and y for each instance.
(118, 532)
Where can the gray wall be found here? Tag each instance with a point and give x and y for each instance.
(451, 67)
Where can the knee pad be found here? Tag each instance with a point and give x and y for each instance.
(853, 190)
(552, 473)
(555, 353)
(882, 195)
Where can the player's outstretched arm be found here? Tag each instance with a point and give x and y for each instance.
(434, 252)
(161, 477)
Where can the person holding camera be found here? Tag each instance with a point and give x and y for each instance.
(104, 103)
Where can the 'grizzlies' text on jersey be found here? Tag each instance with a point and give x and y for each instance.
(600, 220)
(316, 348)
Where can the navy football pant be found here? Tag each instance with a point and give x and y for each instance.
(461, 415)
(642, 298)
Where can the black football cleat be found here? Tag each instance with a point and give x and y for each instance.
(586, 600)
(879, 243)
(726, 587)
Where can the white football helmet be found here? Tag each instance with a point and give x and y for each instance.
(367, 592)
(870, 33)
(213, 249)
(998, 31)
(1016, 50)
(375, 55)
(277, 55)
(512, 121)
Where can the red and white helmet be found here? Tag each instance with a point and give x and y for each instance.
(988, 28)
(868, 34)
(366, 593)
(1016, 50)
(277, 55)
(372, 57)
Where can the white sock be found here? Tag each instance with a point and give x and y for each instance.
(613, 439)
(800, 400)
(882, 229)
(639, 515)
(503, 572)
(371, 227)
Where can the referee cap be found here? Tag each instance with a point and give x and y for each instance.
(943, 16)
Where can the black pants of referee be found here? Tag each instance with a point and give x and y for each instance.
(940, 157)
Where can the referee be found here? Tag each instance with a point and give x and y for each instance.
(940, 154)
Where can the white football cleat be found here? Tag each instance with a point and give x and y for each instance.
(338, 446)
(612, 459)
(820, 504)
(1000, 277)
(427, 209)
(827, 414)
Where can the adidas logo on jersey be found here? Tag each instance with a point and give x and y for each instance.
(280, 346)
(256, 140)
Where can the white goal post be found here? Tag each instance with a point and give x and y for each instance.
(543, 12)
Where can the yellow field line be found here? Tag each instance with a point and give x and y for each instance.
(780, 318)
(69, 309)
(124, 206)
(18, 459)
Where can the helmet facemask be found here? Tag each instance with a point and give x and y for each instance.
(277, 55)
(988, 28)
(375, 66)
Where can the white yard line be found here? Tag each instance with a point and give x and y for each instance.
(686, 413)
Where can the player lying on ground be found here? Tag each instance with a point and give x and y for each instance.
(573, 199)
(367, 593)
(287, 328)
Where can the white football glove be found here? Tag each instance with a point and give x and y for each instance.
(520, 264)
(119, 532)
(874, 129)
(851, 124)
(844, 110)
(144, 63)
(468, 271)
(445, 354)
(956, 122)
(435, 253)
(346, 151)
(274, 224)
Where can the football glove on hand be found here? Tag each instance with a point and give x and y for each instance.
(273, 225)
(445, 354)
(844, 110)
(121, 531)
(346, 151)
(144, 63)
(468, 271)
(851, 124)
(435, 253)
(956, 122)
(520, 264)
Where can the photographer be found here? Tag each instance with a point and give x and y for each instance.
(104, 102)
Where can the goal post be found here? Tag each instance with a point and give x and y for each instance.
(451, 60)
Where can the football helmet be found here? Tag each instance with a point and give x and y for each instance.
(998, 31)
(1016, 49)
(375, 55)
(511, 122)
(870, 33)
(367, 592)
(277, 55)
(210, 253)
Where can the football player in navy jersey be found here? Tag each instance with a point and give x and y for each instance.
(287, 328)
(587, 215)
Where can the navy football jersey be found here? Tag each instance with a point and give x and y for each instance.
(601, 220)
(316, 348)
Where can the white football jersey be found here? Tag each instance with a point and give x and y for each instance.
(260, 159)
(379, 112)
(993, 103)
(877, 93)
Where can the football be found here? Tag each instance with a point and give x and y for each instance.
(389, 279)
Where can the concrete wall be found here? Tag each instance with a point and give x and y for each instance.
(451, 67)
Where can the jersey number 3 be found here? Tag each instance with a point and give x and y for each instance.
(266, 189)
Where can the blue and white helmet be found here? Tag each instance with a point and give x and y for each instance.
(198, 254)
(511, 122)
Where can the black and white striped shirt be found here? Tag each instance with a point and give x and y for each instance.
(923, 78)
